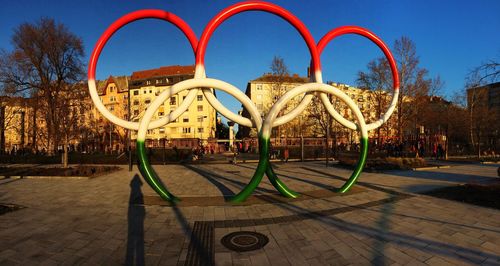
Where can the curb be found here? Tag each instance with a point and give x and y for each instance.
(47, 177)
(431, 167)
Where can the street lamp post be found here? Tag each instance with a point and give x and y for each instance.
(111, 138)
(129, 134)
(200, 129)
(231, 139)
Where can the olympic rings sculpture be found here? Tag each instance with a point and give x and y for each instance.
(263, 126)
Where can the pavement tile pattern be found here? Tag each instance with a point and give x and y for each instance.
(116, 219)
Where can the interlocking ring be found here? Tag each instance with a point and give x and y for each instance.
(392, 63)
(131, 17)
(144, 165)
(269, 8)
(208, 84)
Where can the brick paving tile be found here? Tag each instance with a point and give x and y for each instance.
(380, 221)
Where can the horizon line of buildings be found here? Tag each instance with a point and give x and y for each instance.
(129, 96)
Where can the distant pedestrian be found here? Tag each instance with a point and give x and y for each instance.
(286, 154)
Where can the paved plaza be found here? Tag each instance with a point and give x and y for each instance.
(117, 219)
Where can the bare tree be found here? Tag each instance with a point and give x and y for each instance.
(486, 72)
(46, 58)
(482, 119)
(414, 84)
(279, 73)
(378, 80)
(71, 110)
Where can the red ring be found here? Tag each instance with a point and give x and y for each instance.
(365, 33)
(257, 6)
(133, 16)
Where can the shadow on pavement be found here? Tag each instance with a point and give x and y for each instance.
(214, 179)
(136, 215)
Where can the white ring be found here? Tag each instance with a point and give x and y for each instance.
(135, 125)
(244, 121)
(349, 124)
(311, 87)
(197, 83)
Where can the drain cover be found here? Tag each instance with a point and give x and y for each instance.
(244, 241)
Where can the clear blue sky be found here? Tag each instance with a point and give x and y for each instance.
(451, 36)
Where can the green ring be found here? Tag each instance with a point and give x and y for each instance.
(151, 176)
(359, 167)
(264, 166)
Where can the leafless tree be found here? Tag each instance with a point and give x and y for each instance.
(71, 110)
(279, 73)
(487, 72)
(482, 119)
(378, 80)
(46, 59)
(414, 84)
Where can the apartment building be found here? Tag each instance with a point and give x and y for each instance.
(15, 123)
(114, 95)
(264, 91)
(193, 127)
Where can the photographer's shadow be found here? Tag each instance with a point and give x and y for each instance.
(136, 215)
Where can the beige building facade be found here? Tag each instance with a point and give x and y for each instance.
(313, 121)
(15, 124)
(113, 93)
(264, 92)
(193, 127)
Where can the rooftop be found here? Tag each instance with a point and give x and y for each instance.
(162, 71)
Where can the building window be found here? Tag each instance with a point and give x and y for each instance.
(200, 108)
(148, 82)
(173, 100)
(185, 120)
(259, 87)
(111, 108)
(162, 130)
(259, 96)
(147, 101)
(136, 92)
(136, 102)
(200, 119)
(150, 91)
(136, 112)
(125, 97)
(199, 98)
(200, 130)
(186, 130)
(160, 113)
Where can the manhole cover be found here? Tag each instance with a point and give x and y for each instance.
(244, 241)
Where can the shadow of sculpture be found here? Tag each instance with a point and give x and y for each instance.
(136, 215)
